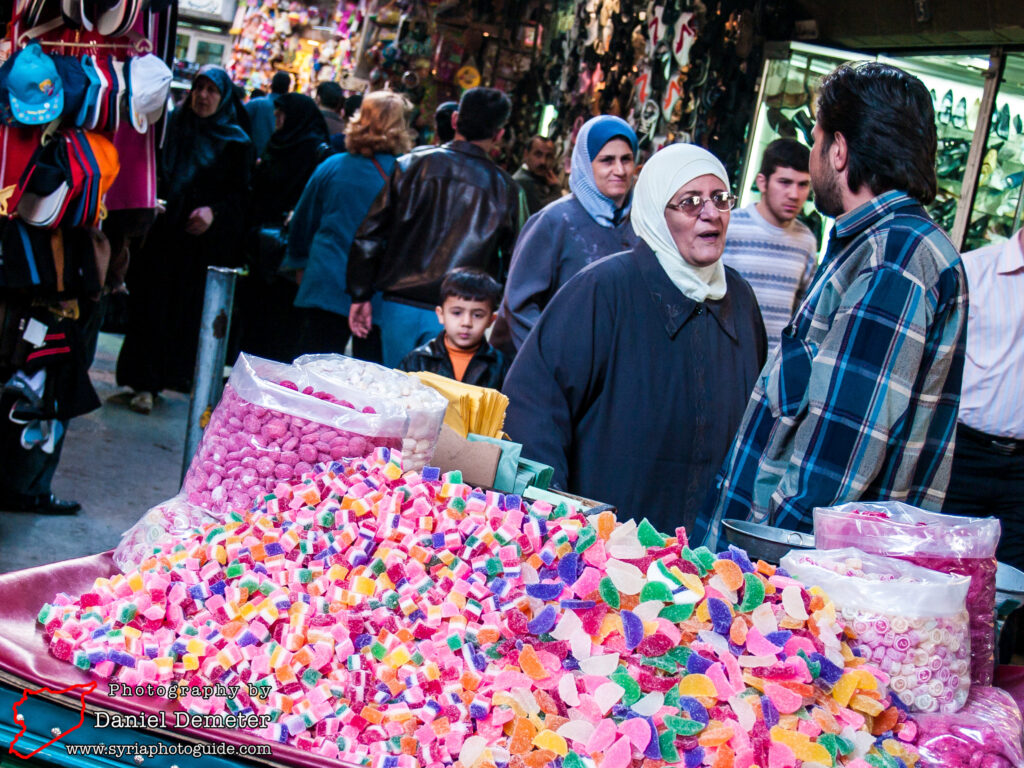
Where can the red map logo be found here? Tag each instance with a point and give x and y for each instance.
(82, 688)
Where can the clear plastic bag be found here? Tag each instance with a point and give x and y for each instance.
(263, 432)
(946, 543)
(171, 519)
(986, 733)
(911, 622)
(424, 407)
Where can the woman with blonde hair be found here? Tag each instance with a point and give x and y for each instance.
(333, 205)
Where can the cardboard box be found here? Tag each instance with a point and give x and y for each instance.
(477, 461)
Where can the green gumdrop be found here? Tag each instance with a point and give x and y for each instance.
(572, 760)
(660, 662)
(672, 696)
(608, 592)
(845, 746)
(676, 613)
(649, 535)
(586, 539)
(830, 742)
(655, 590)
(683, 726)
(753, 593)
(706, 556)
(667, 742)
(560, 511)
(881, 760)
(632, 687)
(680, 654)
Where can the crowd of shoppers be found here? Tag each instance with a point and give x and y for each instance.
(683, 361)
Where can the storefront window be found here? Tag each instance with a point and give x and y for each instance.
(209, 53)
(181, 43)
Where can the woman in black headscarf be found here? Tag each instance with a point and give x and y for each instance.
(267, 319)
(203, 177)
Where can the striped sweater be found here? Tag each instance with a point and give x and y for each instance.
(778, 263)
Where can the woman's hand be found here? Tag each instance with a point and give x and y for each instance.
(360, 319)
(199, 220)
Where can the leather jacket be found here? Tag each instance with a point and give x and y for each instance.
(443, 207)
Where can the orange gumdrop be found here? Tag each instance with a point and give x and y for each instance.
(731, 574)
(715, 736)
(530, 664)
(885, 721)
(738, 631)
(825, 720)
(521, 741)
(817, 603)
(724, 757)
(539, 758)
(801, 689)
(546, 702)
(605, 524)
(516, 761)
(409, 745)
(629, 602)
(766, 569)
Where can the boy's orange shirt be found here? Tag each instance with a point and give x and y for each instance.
(460, 357)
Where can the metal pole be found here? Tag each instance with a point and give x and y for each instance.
(208, 382)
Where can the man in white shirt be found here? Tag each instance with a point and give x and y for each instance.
(766, 244)
(988, 462)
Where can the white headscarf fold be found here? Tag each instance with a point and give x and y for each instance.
(662, 176)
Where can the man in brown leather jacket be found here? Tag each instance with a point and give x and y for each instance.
(443, 207)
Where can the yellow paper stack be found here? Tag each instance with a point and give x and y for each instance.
(470, 409)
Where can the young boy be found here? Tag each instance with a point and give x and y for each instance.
(469, 300)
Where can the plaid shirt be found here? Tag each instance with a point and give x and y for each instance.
(860, 399)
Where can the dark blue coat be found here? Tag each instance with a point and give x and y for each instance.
(632, 391)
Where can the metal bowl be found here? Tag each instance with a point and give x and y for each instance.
(763, 542)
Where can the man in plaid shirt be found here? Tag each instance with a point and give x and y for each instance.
(860, 399)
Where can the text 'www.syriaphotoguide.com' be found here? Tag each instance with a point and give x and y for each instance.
(156, 750)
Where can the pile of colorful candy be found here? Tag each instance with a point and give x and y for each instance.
(908, 620)
(411, 621)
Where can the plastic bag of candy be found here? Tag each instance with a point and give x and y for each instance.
(424, 407)
(986, 733)
(273, 424)
(910, 622)
(946, 543)
(168, 520)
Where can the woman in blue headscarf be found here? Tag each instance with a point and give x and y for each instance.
(570, 233)
(203, 177)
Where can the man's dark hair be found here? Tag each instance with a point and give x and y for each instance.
(353, 103)
(887, 118)
(472, 285)
(482, 113)
(256, 93)
(443, 121)
(784, 153)
(331, 96)
(280, 83)
(537, 137)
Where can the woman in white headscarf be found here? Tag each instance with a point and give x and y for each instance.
(634, 381)
(566, 235)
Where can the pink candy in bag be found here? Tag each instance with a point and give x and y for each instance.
(945, 543)
(272, 425)
(986, 733)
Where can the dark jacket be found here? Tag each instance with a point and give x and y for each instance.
(632, 391)
(538, 192)
(443, 207)
(487, 368)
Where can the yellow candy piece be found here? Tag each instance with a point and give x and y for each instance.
(804, 749)
(697, 685)
(896, 749)
(693, 583)
(866, 704)
(551, 740)
(398, 657)
(850, 682)
(363, 586)
(702, 614)
(191, 661)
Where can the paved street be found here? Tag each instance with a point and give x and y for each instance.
(117, 463)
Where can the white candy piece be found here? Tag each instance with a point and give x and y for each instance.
(575, 730)
(568, 692)
(602, 665)
(608, 695)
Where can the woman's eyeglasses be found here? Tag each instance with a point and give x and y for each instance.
(693, 205)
